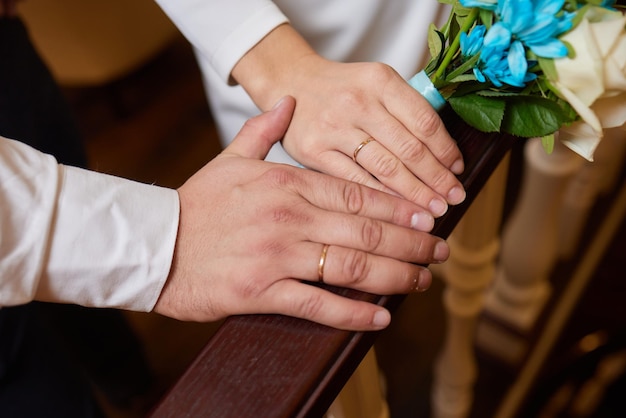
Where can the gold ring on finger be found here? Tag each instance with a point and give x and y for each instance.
(322, 262)
(360, 147)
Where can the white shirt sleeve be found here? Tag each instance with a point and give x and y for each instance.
(74, 236)
(223, 31)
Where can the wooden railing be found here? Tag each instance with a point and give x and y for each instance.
(277, 366)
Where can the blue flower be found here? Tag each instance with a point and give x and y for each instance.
(498, 37)
(472, 43)
(481, 4)
(536, 23)
(520, 25)
(502, 61)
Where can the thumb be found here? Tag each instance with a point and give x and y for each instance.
(259, 133)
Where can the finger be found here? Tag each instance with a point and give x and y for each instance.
(427, 186)
(423, 122)
(292, 298)
(432, 156)
(346, 267)
(376, 237)
(340, 197)
(259, 133)
(407, 154)
(339, 165)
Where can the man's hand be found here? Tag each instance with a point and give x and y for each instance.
(252, 233)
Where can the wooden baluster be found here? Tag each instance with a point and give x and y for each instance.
(529, 248)
(592, 181)
(474, 245)
(611, 152)
(362, 396)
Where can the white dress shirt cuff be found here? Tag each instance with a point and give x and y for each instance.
(112, 242)
(223, 32)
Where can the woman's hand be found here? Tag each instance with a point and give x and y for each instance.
(357, 121)
(251, 231)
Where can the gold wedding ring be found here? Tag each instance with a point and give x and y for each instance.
(360, 147)
(320, 266)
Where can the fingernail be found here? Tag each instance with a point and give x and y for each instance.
(458, 166)
(456, 195)
(422, 221)
(423, 281)
(381, 319)
(441, 252)
(437, 207)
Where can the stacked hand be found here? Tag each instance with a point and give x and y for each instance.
(252, 233)
(357, 121)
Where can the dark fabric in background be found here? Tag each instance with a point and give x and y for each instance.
(50, 354)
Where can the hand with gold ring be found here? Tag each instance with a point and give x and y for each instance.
(253, 235)
(347, 110)
(359, 148)
(322, 263)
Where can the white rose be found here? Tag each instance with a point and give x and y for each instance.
(594, 81)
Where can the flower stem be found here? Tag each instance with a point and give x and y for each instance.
(454, 46)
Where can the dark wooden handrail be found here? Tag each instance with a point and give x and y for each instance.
(277, 366)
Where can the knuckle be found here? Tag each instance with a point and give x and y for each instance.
(420, 194)
(249, 124)
(371, 234)
(386, 165)
(353, 197)
(369, 74)
(423, 249)
(414, 150)
(288, 214)
(353, 98)
(355, 267)
(440, 179)
(280, 177)
(451, 150)
(379, 73)
(355, 319)
(310, 307)
(428, 123)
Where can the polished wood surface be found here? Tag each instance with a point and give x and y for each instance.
(277, 366)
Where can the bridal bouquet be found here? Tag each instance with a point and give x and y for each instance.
(531, 68)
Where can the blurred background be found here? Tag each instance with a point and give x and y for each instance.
(136, 93)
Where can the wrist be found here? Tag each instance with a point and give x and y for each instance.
(268, 71)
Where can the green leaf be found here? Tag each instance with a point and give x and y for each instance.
(461, 12)
(548, 143)
(571, 51)
(436, 43)
(470, 87)
(532, 116)
(496, 93)
(484, 114)
(548, 68)
(463, 78)
(454, 28)
(486, 17)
